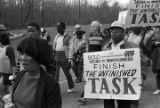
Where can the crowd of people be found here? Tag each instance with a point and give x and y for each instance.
(35, 73)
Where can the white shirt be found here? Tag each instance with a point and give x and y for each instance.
(136, 39)
(115, 47)
(59, 43)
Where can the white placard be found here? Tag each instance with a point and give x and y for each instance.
(143, 13)
(114, 74)
(122, 17)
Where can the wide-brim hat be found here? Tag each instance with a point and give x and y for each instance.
(77, 26)
(117, 24)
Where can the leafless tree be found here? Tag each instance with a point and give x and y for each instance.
(18, 13)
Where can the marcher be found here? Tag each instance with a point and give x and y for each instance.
(76, 27)
(77, 48)
(95, 37)
(33, 30)
(44, 35)
(33, 83)
(94, 44)
(106, 36)
(117, 35)
(61, 48)
(153, 45)
(7, 61)
(136, 36)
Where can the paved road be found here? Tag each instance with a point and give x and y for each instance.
(148, 100)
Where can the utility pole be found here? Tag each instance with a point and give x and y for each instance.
(21, 12)
(79, 12)
(41, 12)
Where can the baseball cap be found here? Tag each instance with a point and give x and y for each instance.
(116, 24)
(2, 27)
(61, 25)
(77, 26)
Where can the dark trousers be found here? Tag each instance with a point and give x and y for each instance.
(158, 79)
(78, 70)
(121, 103)
(61, 61)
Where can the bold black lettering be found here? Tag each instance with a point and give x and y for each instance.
(154, 17)
(134, 19)
(104, 86)
(133, 72)
(121, 65)
(128, 86)
(95, 66)
(143, 18)
(114, 65)
(87, 73)
(93, 81)
(114, 81)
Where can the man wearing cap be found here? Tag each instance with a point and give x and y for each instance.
(117, 35)
(77, 48)
(77, 27)
(61, 48)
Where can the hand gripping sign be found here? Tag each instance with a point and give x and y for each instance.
(113, 74)
(143, 13)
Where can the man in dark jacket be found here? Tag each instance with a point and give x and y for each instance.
(117, 35)
(153, 46)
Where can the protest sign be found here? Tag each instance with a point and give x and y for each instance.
(143, 13)
(113, 74)
(122, 17)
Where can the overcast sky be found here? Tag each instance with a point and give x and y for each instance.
(111, 2)
(121, 2)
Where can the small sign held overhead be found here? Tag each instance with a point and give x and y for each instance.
(143, 13)
(122, 17)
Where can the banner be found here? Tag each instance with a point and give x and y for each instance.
(122, 17)
(113, 74)
(143, 13)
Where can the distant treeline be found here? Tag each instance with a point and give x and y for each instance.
(18, 13)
